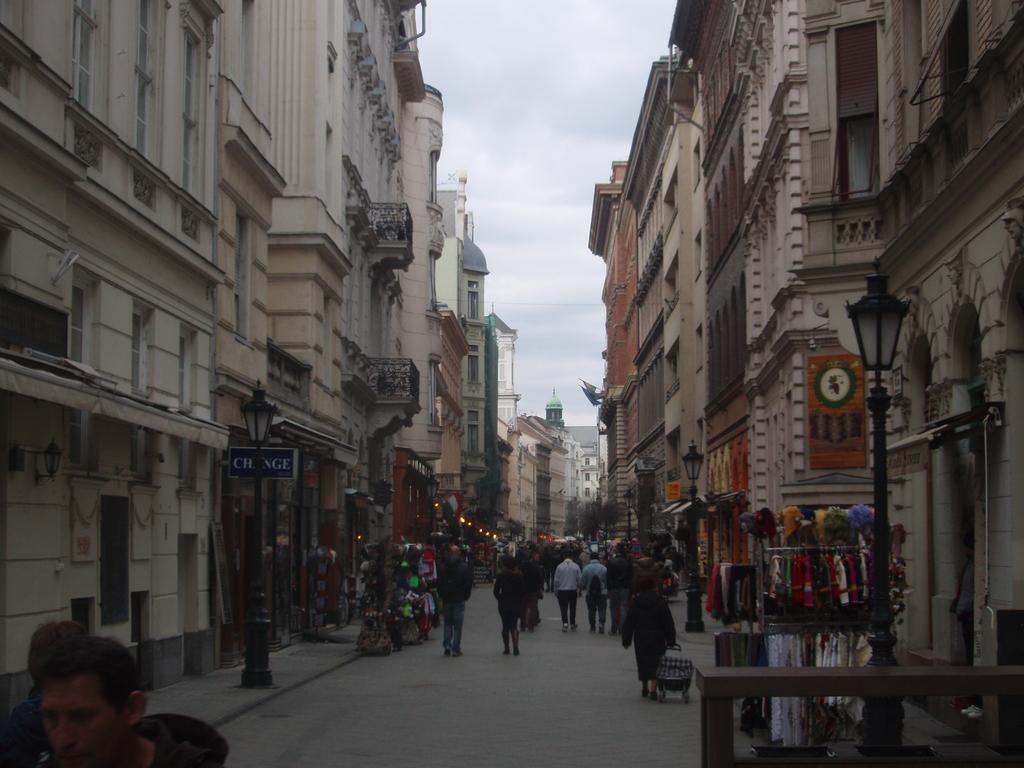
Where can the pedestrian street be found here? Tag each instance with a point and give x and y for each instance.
(570, 698)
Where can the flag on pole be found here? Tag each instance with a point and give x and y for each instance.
(592, 393)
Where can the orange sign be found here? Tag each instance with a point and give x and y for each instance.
(673, 490)
(835, 412)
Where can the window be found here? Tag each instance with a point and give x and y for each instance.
(474, 303)
(432, 191)
(189, 111)
(586, 462)
(143, 76)
(78, 324)
(139, 348)
(138, 450)
(586, 491)
(186, 463)
(435, 416)
(185, 370)
(956, 55)
(328, 338)
(696, 165)
(473, 438)
(857, 98)
(77, 437)
(248, 45)
(698, 255)
(81, 51)
(473, 363)
(241, 275)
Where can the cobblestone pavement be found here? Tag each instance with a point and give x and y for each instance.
(568, 699)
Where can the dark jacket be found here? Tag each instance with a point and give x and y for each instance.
(533, 577)
(510, 589)
(455, 581)
(181, 742)
(649, 625)
(643, 568)
(620, 573)
(23, 739)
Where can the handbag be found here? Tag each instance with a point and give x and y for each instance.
(374, 641)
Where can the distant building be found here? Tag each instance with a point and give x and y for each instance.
(508, 399)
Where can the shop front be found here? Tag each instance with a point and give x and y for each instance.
(415, 488)
(302, 518)
(722, 538)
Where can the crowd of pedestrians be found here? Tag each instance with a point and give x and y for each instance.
(619, 592)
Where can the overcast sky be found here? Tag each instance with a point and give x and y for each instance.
(540, 96)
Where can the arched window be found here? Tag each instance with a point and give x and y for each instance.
(920, 380)
(732, 203)
(734, 341)
(710, 360)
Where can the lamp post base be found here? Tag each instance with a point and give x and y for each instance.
(694, 616)
(257, 678)
(883, 722)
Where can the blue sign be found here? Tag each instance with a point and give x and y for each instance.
(278, 463)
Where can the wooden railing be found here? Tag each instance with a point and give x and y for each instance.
(720, 686)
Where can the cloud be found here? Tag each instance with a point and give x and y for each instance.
(540, 97)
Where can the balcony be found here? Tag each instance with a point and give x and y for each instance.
(392, 226)
(395, 382)
(409, 75)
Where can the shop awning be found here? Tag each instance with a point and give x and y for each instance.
(925, 436)
(943, 428)
(304, 435)
(677, 508)
(60, 383)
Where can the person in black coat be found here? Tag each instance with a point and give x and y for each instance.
(533, 577)
(650, 629)
(510, 590)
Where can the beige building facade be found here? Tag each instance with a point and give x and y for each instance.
(108, 271)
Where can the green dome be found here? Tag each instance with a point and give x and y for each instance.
(554, 402)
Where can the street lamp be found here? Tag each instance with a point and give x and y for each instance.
(628, 495)
(877, 318)
(259, 415)
(692, 462)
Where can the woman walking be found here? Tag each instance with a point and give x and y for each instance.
(650, 628)
(510, 591)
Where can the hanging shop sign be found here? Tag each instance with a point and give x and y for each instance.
(673, 490)
(278, 463)
(835, 412)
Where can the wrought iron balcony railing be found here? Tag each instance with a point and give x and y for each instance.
(392, 225)
(394, 378)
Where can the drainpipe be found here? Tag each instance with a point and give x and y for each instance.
(423, 28)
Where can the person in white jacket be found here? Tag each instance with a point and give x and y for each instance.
(567, 588)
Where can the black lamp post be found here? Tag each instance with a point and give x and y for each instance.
(628, 495)
(259, 415)
(692, 462)
(877, 318)
(432, 486)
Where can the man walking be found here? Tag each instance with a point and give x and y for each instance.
(595, 586)
(454, 586)
(567, 589)
(620, 578)
(549, 561)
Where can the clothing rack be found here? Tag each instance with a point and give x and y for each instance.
(779, 627)
(817, 549)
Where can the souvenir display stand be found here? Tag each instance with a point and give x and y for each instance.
(812, 606)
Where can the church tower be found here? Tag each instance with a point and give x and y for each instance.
(554, 411)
